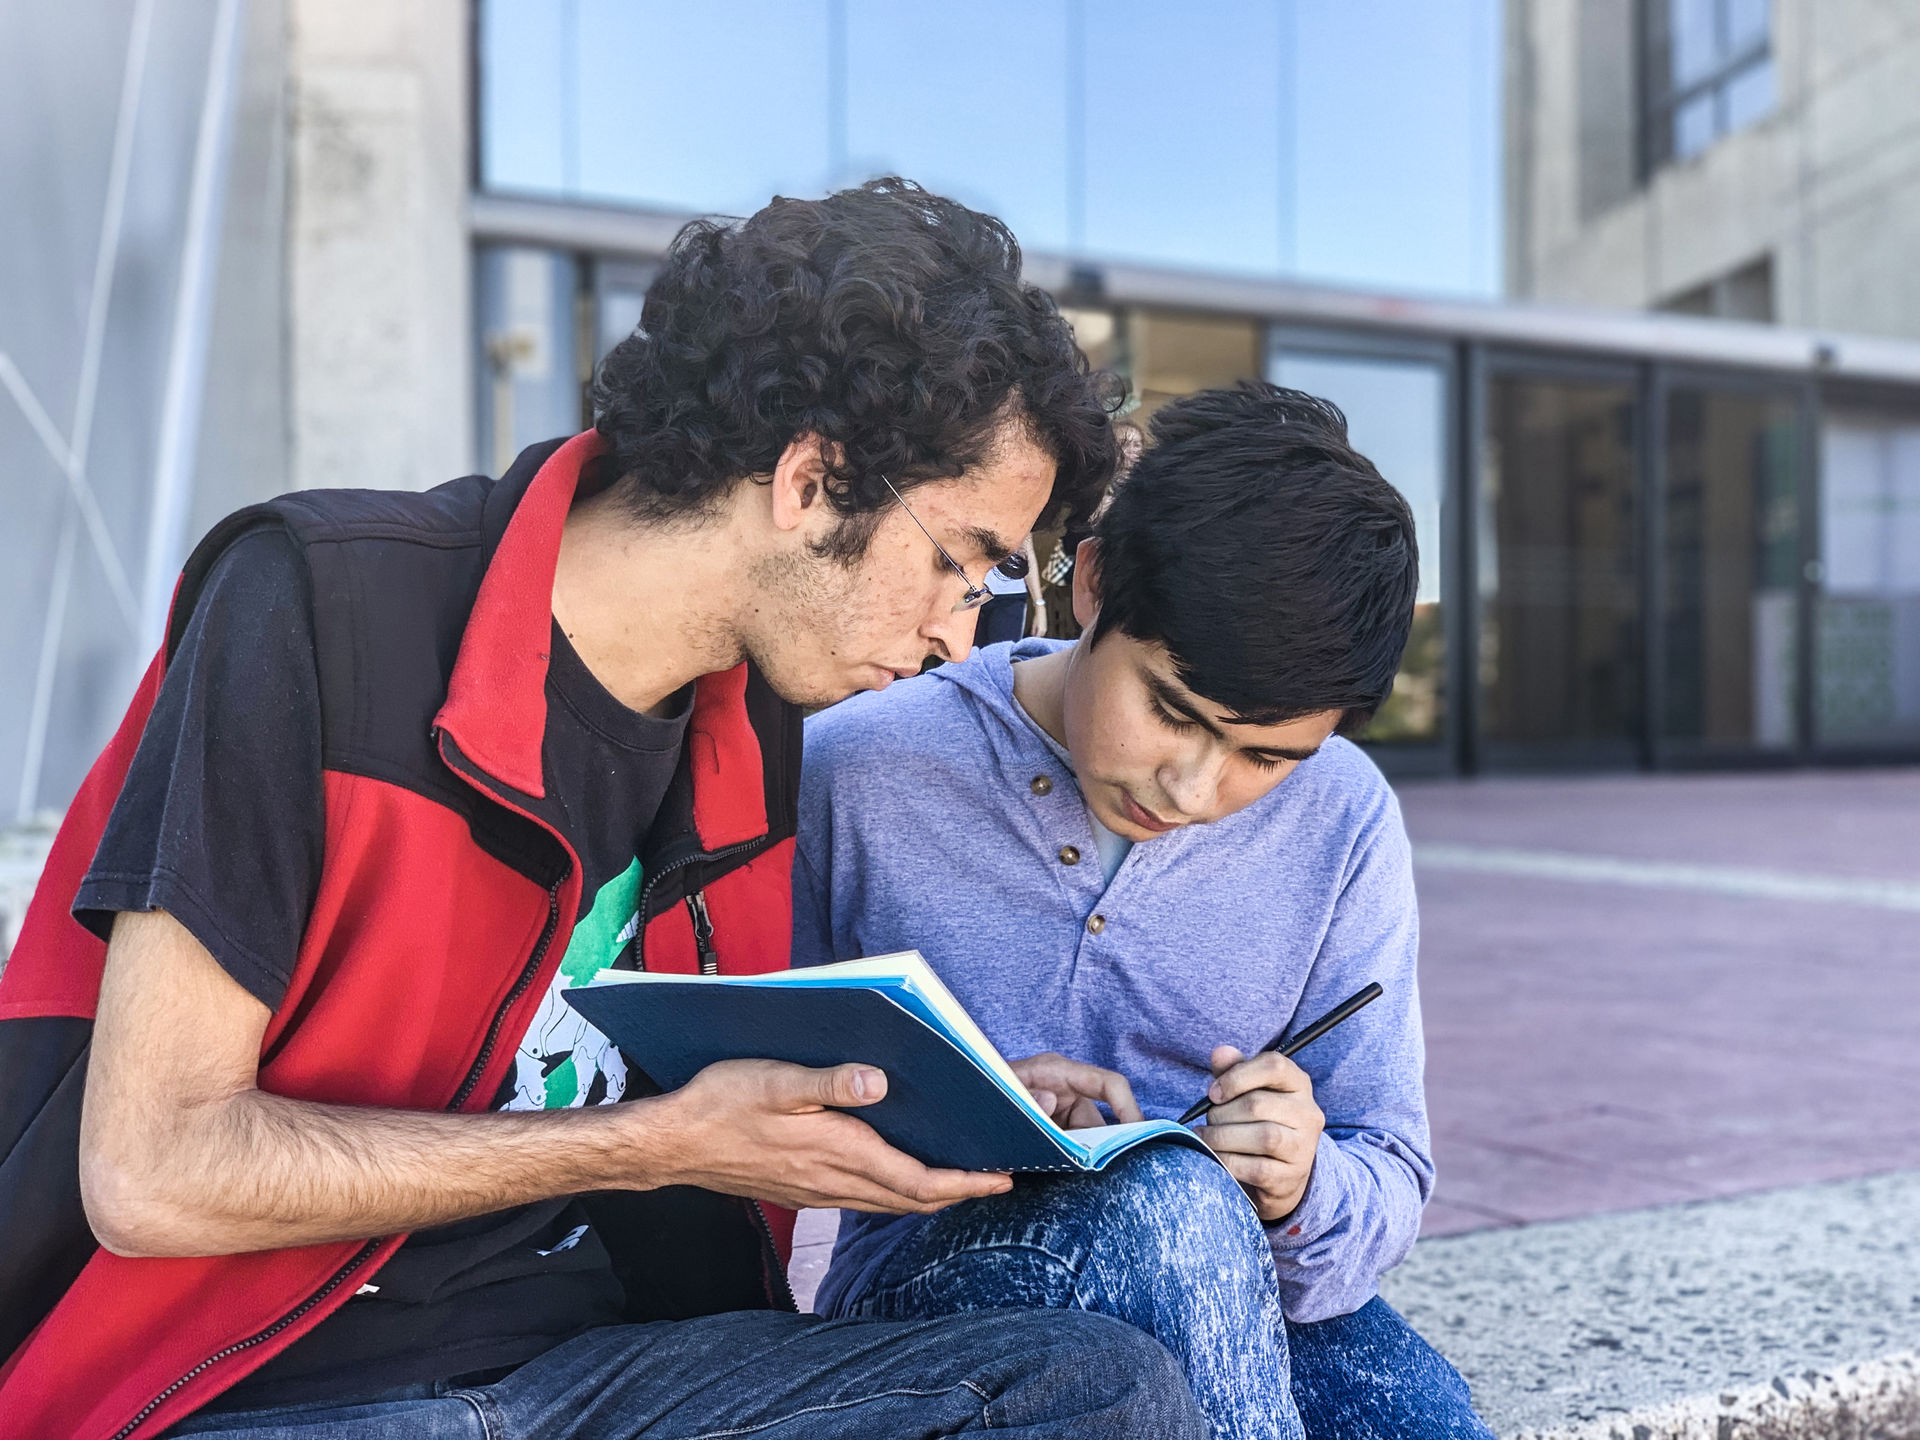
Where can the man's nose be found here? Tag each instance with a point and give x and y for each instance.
(949, 632)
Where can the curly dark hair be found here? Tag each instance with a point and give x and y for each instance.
(888, 321)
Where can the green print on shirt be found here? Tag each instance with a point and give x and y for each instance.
(562, 1060)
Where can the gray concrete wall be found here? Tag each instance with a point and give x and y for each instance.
(379, 292)
(1829, 184)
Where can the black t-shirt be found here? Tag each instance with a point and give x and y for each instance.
(220, 822)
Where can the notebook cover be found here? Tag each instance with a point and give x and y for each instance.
(939, 1107)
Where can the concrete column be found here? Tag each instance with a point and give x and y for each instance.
(379, 297)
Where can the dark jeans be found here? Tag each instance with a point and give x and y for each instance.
(765, 1375)
(1166, 1240)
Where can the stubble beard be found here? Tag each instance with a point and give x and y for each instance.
(796, 617)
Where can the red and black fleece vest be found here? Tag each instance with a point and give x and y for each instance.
(443, 910)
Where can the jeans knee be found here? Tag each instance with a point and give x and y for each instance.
(1196, 1212)
(1146, 1392)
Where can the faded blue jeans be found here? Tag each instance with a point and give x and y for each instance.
(769, 1375)
(1166, 1240)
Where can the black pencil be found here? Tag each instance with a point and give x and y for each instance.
(1300, 1042)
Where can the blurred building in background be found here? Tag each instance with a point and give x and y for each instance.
(1756, 160)
(266, 244)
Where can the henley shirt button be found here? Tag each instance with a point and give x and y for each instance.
(1096, 923)
(1042, 785)
(1069, 855)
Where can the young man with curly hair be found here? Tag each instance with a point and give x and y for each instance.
(1135, 857)
(301, 1135)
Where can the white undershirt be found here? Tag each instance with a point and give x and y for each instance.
(1113, 848)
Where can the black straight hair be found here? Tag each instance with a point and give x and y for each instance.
(1265, 553)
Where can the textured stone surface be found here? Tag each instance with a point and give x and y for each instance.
(1788, 1313)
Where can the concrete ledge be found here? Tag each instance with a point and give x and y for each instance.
(1875, 1400)
(1777, 1316)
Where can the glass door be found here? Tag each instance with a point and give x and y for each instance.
(1731, 569)
(1557, 562)
(1867, 610)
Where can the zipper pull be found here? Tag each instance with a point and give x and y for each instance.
(703, 933)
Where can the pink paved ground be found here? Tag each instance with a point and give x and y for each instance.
(1599, 1047)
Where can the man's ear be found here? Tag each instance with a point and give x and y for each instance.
(1086, 582)
(798, 488)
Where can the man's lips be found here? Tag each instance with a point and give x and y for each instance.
(1143, 817)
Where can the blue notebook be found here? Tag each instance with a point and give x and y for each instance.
(951, 1102)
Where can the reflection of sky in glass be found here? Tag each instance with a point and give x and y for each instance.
(1693, 39)
(1354, 143)
(1395, 417)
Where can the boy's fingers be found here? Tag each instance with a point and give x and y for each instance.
(1269, 1070)
(1224, 1058)
(1259, 1137)
(1114, 1089)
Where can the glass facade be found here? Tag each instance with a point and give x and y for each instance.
(1559, 573)
(1629, 558)
(1243, 135)
(1732, 569)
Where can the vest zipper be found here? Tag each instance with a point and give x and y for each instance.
(703, 933)
(339, 1278)
(646, 887)
(782, 1290)
(527, 976)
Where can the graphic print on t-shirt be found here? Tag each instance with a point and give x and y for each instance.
(563, 1062)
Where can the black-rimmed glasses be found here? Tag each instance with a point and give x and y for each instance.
(975, 595)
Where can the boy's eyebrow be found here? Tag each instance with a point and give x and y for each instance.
(1174, 701)
(1178, 703)
(1281, 752)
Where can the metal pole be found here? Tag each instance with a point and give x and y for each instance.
(192, 322)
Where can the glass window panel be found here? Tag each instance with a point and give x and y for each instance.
(1183, 133)
(1749, 94)
(1732, 568)
(1867, 620)
(1693, 40)
(1396, 417)
(1559, 573)
(529, 380)
(525, 70)
(1748, 22)
(1693, 127)
(702, 107)
(972, 116)
(620, 293)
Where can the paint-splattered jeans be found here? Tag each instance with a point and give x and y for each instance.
(1166, 1240)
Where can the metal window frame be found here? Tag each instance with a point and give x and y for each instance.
(1659, 102)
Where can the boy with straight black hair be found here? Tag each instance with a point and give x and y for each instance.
(1092, 843)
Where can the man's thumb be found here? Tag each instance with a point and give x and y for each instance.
(848, 1085)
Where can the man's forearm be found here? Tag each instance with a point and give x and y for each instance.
(259, 1171)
